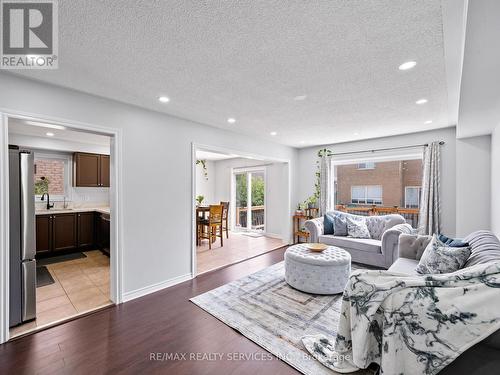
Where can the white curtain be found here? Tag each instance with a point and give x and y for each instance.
(325, 184)
(430, 203)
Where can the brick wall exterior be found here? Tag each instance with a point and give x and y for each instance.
(53, 170)
(393, 176)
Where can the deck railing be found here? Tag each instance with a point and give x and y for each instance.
(257, 217)
(410, 214)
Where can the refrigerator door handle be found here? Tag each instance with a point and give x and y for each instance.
(27, 187)
(29, 290)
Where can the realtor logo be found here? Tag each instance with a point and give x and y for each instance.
(29, 34)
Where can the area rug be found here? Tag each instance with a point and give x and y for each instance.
(252, 234)
(265, 309)
(43, 277)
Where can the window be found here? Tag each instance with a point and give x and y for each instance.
(51, 175)
(366, 165)
(370, 194)
(412, 196)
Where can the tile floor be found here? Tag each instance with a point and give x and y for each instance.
(236, 248)
(80, 285)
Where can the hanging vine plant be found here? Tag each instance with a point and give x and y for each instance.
(203, 164)
(314, 198)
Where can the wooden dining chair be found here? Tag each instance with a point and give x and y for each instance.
(225, 217)
(213, 225)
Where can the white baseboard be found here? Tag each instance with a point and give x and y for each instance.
(128, 296)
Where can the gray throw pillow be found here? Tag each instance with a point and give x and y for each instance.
(357, 228)
(340, 225)
(439, 258)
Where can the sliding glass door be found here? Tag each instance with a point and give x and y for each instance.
(249, 188)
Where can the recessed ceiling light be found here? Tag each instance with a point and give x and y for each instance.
(49, 134)
(302, 142)
(300, 97)
(356, 134)
(164, 99)
(407, 65)
(44, 125)
(428, 122)
(421, 101)
(231, 120)
(273, 133)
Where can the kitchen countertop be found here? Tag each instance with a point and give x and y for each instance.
(102, 210)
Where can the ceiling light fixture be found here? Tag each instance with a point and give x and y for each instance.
(273, 133)
(421, 101)
(164, 99)
(43, 125)
(356, 134)
(428, 122)
(407, 65)
(300, 97)
(231, 120)
(49, 134)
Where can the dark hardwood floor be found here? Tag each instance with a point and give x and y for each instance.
(120, 339)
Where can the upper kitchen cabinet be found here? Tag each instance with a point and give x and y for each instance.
(90, 170)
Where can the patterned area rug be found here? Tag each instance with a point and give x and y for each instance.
(265, 309)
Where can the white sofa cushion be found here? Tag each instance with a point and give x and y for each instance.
(361, 244)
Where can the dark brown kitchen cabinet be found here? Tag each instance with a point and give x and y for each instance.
(43, 234)
(64, 231)
(90, 170)
(104, 170)
(86, 229)
(103, 228)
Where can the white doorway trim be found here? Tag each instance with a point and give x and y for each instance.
(116, 204)
(199, 146)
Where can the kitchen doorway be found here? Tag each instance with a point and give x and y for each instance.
(70, 226)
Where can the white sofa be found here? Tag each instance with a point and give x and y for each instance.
(380, 250)
(484, 357)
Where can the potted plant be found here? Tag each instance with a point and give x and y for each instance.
(199, 199)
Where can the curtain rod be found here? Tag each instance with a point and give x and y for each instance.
(384, 149)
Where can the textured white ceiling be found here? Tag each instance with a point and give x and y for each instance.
(249, 59)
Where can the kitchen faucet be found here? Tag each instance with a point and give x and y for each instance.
(49, 206)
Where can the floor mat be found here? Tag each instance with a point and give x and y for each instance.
(59, 258)
(43, 277)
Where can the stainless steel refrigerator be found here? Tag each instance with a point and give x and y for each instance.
(22, 237)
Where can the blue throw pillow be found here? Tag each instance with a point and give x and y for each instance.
(328, 223)
(340, 225)
(451, 242)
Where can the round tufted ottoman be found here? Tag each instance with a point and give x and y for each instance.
(317, 273)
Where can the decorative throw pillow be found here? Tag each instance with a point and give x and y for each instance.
(357, 228)
(328, 223)
(339, 225)
(452, 242)
(440, 258)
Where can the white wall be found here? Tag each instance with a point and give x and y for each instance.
(308, 157)
(495, 181)
(277, 190)
(157, 165)
(204, 186)
(473, 184)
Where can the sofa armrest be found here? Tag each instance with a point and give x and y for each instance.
(315, 228)
(412, 246)
(390, 242)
